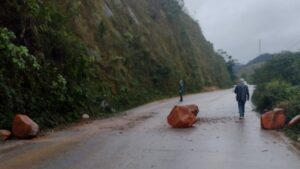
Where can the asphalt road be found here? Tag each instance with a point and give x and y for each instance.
(143, 140)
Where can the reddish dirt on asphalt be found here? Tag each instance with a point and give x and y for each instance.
(142, 139)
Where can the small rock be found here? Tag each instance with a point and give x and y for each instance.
(105, 106)
(113, 110)
(264, 151)
(85, 116)
(294, 121)
(24, 127)
(4, 135)
(299, 139)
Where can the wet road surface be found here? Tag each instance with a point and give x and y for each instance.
(143, 140)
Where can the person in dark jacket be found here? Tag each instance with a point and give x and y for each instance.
(242, 95)
(181, 90)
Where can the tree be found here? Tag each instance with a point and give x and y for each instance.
(230, 63)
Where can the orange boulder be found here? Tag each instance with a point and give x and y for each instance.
(4, 135)
(193, 108)
(24, 127)
(294, 121)
(182, 116)
(273, 119)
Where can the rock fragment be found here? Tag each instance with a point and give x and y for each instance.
(4, 135)
(23, 127)
(294, 121)
(274, 119)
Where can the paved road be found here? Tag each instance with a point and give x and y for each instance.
(143, 140)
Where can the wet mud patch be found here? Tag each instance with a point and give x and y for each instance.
(127, 122)
(297, 146)
(133, 122)
(215, 120)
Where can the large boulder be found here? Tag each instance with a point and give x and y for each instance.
(4, 135)
(193, 108)
(294, 121)
(182, 116)
(24, 127)
(273, 119)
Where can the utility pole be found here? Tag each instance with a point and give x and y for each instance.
(259, 47)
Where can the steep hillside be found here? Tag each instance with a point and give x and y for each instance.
(149, 38)
(98, 56)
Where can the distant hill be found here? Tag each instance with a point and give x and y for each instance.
(238, 66)
(260, 58)
(248, 69)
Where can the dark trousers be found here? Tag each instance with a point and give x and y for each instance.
(180, 94)
(241, 104)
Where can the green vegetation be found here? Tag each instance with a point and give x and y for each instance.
(246, 71)
(278, 85)
(44, 67)
(61, 59)
(230, 63)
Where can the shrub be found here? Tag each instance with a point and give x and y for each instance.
(50, 78)
(285, 67)
(17, 72)
(268, 95)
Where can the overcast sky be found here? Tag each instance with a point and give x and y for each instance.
(237, 25)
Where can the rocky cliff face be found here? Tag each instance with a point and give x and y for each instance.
(65, 57)
(142, 44)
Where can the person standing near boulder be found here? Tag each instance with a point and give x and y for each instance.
(181, 90)
(242, 95)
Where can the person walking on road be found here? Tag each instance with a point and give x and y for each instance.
(242, 95)
(181, 90)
